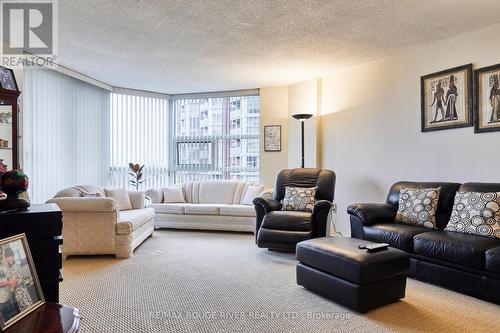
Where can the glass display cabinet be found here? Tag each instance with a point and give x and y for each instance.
(8, 130)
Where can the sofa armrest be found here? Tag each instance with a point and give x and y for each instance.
(262, 207)
(320, 205)
(371, 213)
(319, 218)
(362, 215)
(92, 204)
(267, 204)
(137, 199)
(155, 195)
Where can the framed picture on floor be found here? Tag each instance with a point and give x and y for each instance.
(446, 99)
(20, 291)
(7, 79)
(487, 99)
(272, 138)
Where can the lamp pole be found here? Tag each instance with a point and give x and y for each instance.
(302, 130)
(302, 117)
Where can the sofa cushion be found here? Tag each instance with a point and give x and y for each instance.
(240, 190)
(463, 249)
(287, 220)
(217, 192)
(493, 259)
(252, 192)
(121, 197)
(237, 210)
(476, 213)
(155, 195)
(299, 198)
(173, 195)
(173, 208)
(445, 203)
(131, 220)
(417, 206)
(399, 236)
(201, 209)
(137, 199)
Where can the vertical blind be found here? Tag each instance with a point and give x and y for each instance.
(66, 132)
(139, 133)
(76, 133)
(216, 138)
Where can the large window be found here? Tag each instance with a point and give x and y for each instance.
(78, 133)
(139, 130)
(216, 138)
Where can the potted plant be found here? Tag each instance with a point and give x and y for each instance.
(136, 174)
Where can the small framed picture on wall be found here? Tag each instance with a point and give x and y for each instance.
(487, 99)
(272, 138)
(446, 99)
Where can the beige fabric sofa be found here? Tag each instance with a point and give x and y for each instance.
(93, 224)
(210, 205)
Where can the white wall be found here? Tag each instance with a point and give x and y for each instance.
(371, 124)
(273, 111)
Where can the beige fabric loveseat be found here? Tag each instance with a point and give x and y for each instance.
(209, 205)
(94, 224)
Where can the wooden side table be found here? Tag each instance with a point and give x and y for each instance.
(50, 318)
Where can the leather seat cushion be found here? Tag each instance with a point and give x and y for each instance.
(493, 259)
(201, 209)
(396, 235)
(171, 208)
(237, 210)
(283, 240)
(131, 220)
(287, 220)
(463, 249)
(340, 256)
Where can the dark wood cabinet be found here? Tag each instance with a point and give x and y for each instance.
(42, 225)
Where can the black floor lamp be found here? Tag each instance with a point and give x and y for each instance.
(302, 117)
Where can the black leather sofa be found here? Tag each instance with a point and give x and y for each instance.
(463, 262)
(282, 230)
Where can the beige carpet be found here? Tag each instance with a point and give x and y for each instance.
(181, 281)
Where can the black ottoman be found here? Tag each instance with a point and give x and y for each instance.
(335, 268)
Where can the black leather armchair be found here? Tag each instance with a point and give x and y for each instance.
(282, 230)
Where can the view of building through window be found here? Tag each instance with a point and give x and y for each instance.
(216, 138)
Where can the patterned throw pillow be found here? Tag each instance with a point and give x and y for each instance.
(476, 213)
(417, 206)
(299, 198)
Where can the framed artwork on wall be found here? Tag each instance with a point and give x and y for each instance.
(487, 99)
(272, 138)
(446, 99)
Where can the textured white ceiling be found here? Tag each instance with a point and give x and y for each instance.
(194, 45)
